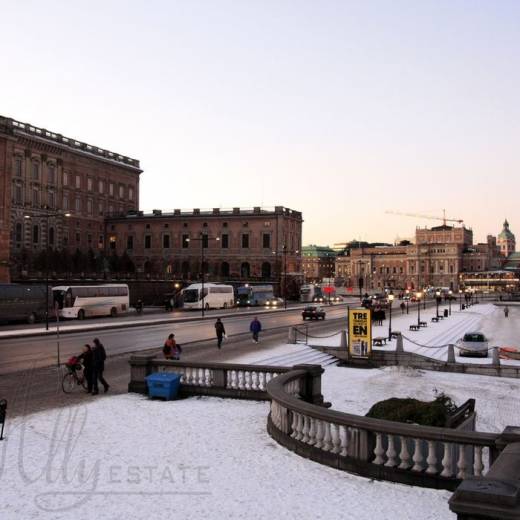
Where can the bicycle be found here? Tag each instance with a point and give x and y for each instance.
(71, 380)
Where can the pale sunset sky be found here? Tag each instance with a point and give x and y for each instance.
(339, 109)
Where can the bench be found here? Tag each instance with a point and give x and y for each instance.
(378, 342)
(423, 324)
(414, 327)
(435, 319)
(396, 333)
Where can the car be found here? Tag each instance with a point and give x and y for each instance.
(313, 312)
(473, 344)
(336, 299)
(274, 303)
(407, 298)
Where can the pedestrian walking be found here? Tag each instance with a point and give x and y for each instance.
(99, 357)
(220, 331)
(86, 360)
(403, 307)
(506, 311)
(255, 327)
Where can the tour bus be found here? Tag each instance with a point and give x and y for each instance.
(311, 293)
(19, 302)
(82, 301)
(216, 296)
(252, 295)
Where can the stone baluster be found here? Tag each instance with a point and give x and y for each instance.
(478, 465)
(305, 431)
(209, 377)
(261, 381)
(240, 379)
(294, 425)
(378, 450)
(431, 459)
(344, 440)
(254, 380)
(391, 453)
(461, 463)
(336, 440)
(327, 437)
(299, 427)
(447, 462)
(404, 455)
(417, 456)
(312, 431)
(353, 447)
(319, 433)
(247, 380)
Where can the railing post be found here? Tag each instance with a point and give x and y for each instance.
(343, 340)
(451, 354)
(399, 347)
(292, 336)
(140, 367)
(495, 357)
(219, 378)
(311, 391)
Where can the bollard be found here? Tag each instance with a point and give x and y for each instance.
(292, 336)
(399, 347)
(343, 340)
(451, 354)
(495, 357)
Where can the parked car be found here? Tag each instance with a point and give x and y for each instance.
(473, 344)
(313, 312)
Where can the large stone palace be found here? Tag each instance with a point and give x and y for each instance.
(63, 198)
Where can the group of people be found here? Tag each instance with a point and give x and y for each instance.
(172, 350)
(378, 315)
(93, 360)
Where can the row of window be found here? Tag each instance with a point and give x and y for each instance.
(35, 236)
(74, 180)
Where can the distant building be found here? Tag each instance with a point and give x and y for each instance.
(506, 241)
(318, 262)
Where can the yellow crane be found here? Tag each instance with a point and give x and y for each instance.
(429, 217)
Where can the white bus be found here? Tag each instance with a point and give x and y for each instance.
(311, 293)
(216, 296)
(82, 301)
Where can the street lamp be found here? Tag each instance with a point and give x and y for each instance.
(407, 300)
(202, 238)
(47, 215)
(437, 300)
(460, 299)
(284, 286)
(450, 295)
(390, 300)
(425, 292)
(418, 296)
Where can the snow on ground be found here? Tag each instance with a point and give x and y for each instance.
(129, 457)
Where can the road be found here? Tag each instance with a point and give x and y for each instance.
(18, 353)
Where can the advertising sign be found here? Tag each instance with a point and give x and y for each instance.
(360, 332)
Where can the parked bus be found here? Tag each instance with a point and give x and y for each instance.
(311, 293)
(19, 302)
(216, 296)
(253, 295)
(82, 301)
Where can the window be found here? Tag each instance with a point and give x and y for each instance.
(51, 199)
(89, 239)
(101, 207)
(205, 241)
(36, 234)
(35, 171)
(90, 206)
(65, 203)
(266, 241)
(185, 241)
(51, 174)
(130, 242)
(111, 209)
(112, 242)
(18, 167)
(18, 232)
(51, 236)
(101, 186)
(65, 238)
(36, 197)
(131, 193)
(121, 191)
(245, 241)
(18, 194)
(101, 241)
(111, 189)
(166, 241)
(78, 182)
(89, 183)
(78, 204)
(65, 178)
(148, 241)
(225, 241)
(78, 237)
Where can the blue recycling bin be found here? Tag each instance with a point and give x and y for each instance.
(163, 384)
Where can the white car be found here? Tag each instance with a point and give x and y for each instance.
(473, 344)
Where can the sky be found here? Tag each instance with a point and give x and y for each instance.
(340, 109)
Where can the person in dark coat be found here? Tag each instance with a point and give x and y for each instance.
(98, 366)
(220, 331)
(86, 360)
(255, 327)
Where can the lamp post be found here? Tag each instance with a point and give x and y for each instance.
(390, 301)
(202, 238)
(450, 295)
(460, 299)
(47, 215)
(425, 292)
(437, 301)
(283, 280)
(407, 300)
(418, 296)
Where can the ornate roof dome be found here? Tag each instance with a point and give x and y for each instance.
(506, 234)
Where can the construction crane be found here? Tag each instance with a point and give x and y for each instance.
(430, 217)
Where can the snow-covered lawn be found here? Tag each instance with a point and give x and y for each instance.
(131, 458)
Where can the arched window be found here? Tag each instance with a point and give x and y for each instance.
(245, 270)
(266, 270)
(224, 269)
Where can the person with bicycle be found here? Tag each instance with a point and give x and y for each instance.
(85, 358)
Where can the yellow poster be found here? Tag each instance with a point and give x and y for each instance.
(360, 332)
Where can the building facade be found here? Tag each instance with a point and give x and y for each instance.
(318, 262)
(506, 241)
(436, 259)
(236, 244)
